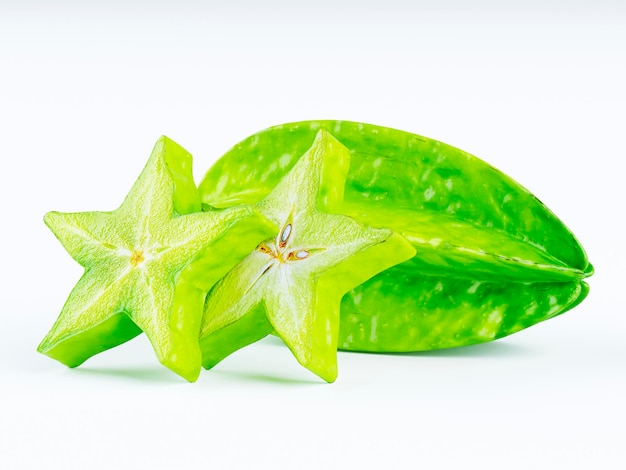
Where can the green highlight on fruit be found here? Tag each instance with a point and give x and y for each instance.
(148, 266)
(490, 258)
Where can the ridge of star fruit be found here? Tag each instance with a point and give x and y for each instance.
(148, 265)
(293, 282)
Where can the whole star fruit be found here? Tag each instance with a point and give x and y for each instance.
(148, 265)
(491, 259)
(292, 284)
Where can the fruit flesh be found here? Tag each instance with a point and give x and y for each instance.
(468, 223)
(139, 266)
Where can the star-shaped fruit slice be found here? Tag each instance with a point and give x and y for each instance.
(148, 265)
(293, 282)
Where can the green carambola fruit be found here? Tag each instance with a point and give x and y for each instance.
(148, 265)
(490, 259)
(292, 284)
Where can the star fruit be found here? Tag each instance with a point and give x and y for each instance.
(491, 258)
(148, 266)
(293, 282)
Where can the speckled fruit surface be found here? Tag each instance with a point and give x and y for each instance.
(490, 259)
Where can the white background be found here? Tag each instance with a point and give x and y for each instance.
(536, 88)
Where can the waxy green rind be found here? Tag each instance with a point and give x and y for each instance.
(447, 246)
(294, 282)
(133, 258)
(179, 163)
(397, 169)
(465, 219)
(432, 312)
(218, 344)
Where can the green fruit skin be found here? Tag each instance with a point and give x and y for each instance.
(75, 350)
(491, 258)
(432, 312)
